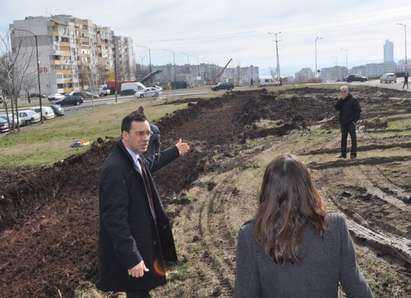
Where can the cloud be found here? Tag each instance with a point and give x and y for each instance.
(217, 30)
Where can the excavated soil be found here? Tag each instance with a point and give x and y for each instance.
(49, 216)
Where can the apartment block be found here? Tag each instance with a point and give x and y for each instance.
(74, 53)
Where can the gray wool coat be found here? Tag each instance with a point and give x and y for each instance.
(326, 262)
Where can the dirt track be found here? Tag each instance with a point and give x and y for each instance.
(48, 217)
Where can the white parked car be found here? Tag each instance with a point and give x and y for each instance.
(48, 112)
(56, 96)
(19, 122)
(151, 92)
(28, 117)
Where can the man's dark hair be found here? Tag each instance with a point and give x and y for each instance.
(134, 116)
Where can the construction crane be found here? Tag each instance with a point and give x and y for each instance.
(218, 77)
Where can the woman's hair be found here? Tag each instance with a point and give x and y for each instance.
(288, 201)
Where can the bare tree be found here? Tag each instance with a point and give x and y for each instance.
(15, 61)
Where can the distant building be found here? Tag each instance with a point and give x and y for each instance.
(74, 53)
(304, 75)
(202, 74)
(388, 51)
(336, 73)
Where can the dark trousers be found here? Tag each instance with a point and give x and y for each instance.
(405, 83)
(139, 294)
(345, 130)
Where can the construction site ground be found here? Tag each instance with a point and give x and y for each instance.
(49, 216)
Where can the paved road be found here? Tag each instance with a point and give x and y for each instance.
(376, 83)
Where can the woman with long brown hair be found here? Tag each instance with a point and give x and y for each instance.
(293, 248)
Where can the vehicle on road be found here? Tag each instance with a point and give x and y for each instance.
(104, 90)
(70, 100)
(128, 92)
(16, 121)
(47, 112)
(222, 86)
(56, 96)
(388, 77)
(158, 88)
(4, 125)
(36, 95)
(355, 78)
(84, 94)
(58, 110)
(131, 88)
(28, 117)
(151, 92)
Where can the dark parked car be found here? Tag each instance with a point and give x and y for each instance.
(222, 86)
(58, 110)
(36, 95)
(355, 78)
(70, 100)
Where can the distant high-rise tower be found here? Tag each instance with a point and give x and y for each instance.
(388, 51)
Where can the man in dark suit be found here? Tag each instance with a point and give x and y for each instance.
(135, 237)
(350, 112)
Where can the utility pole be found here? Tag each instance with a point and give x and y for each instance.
(277, 69)
(346, 59)
(316, 49)
(38, 68)
(115, 71)
(38, 79)
(149, 61)
(405, 38)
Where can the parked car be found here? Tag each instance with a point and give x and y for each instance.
(104, 91)
(28, 117)
(355, 78)
(58, 110)
(16, 121)
(56, 96)
(128, 92)
(4, 125)
(158, 88)
(388, 77)
(151, 92)
(222, 86)
(70, 100)
(84, 94)
(36, 95)
(47, 112)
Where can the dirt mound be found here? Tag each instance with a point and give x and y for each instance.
(49, 216)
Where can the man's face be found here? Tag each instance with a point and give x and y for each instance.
(138, 137)
(344, 92)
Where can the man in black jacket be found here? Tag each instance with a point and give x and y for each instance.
(135, 237)
(350, 112)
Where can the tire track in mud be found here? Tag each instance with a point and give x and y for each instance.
(385, 244)
(217, 240)
(360, 148)
(359, 161)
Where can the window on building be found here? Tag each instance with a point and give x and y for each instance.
(60, 86)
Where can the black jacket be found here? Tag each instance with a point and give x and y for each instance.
(349, 108)
(128, 232)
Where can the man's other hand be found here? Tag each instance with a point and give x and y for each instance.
(138, 270)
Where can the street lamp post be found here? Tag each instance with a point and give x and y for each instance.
(316, 50)
(38, 68)
(405, 39)
(277, 55)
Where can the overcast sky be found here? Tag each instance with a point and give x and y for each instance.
(217, 30)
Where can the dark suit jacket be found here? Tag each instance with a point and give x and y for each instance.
(326, 262)
(128, 232)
